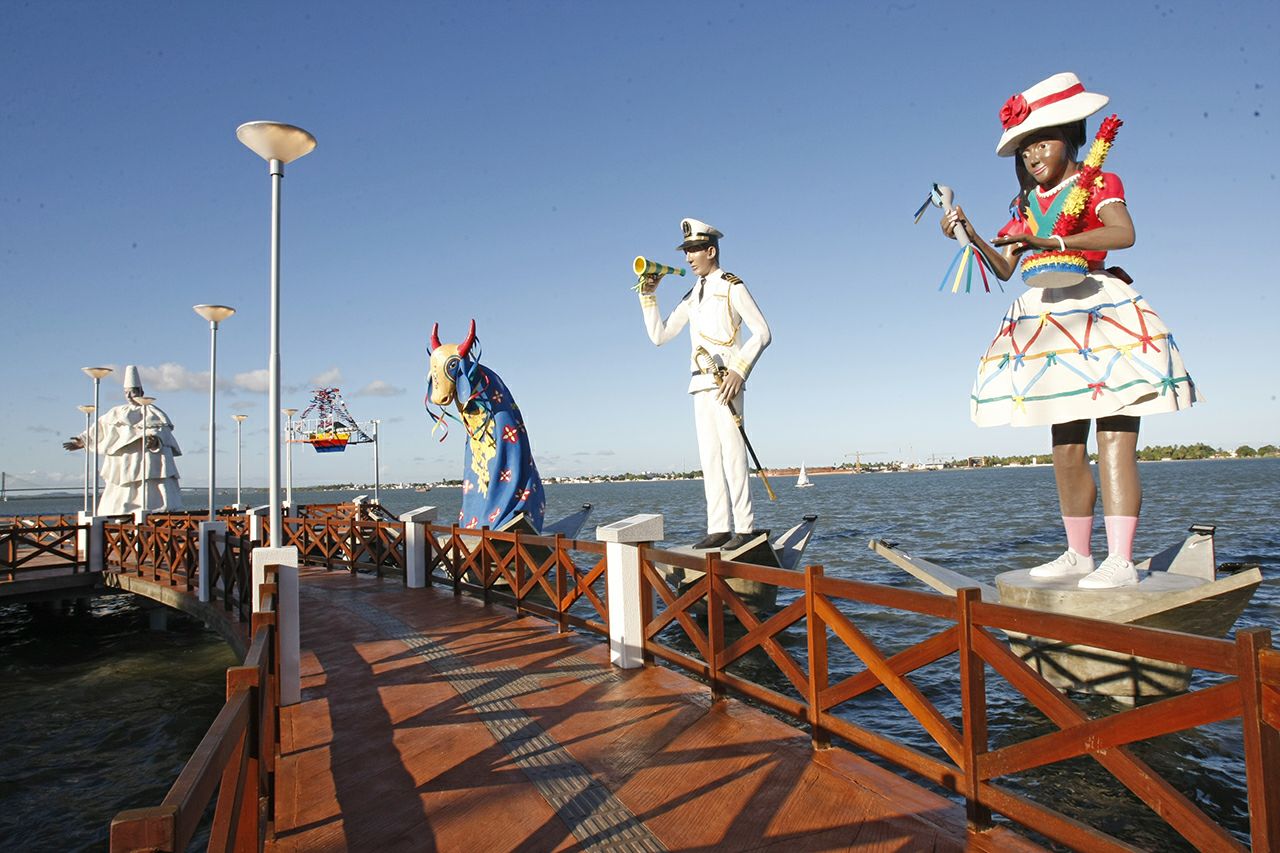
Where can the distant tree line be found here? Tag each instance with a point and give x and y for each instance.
(1153, 453)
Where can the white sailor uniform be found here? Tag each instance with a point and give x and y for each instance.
(715, 309)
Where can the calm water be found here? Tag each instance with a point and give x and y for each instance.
(95, 683)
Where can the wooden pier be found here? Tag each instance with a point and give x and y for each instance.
(435, 722)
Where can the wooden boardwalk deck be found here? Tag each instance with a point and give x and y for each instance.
(430, 722)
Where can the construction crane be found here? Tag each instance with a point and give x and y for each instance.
(858, 454)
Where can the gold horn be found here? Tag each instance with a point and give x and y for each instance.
(644, 266)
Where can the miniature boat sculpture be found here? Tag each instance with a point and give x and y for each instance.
(1182, 589)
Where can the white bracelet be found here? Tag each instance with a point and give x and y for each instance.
(1062, 244)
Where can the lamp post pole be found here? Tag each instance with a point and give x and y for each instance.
(87, 409)
(239, 419)
(278, 144)
(96, 374)
(288, 456)
(215, 314)
(145, 403)
(377, 479)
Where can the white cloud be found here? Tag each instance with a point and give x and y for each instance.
(328, 379)
(257, 381)
(172, 376)
(378, 388)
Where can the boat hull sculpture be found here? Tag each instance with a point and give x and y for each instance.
(1182, 591)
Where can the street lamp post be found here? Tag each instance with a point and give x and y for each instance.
(288, 456)
(215, 314)
(88, 410)
(239, 419)
(377, 479)
(278, 144)
(96, 374)
(145, 403)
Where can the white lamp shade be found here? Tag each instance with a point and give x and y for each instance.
(239, 418)
(86, 408)
(288, 413)
(273, 140)
(144, 401)
(96, 372)
(214, 313)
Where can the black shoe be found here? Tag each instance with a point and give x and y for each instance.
(739, 539)
(711, 540)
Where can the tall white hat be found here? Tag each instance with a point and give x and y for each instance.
(131, 378)
(697, 233)
(1060, 99)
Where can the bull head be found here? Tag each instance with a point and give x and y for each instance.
(447, 364)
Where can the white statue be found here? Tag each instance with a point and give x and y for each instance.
(125, 467)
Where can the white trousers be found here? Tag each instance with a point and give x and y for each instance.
(723, 455)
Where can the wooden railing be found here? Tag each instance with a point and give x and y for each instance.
(537, 574)
(1248, 688)
(235, 760)
(162, 554)
(38, 520)
(231, 572)
(46, 545)
(337, 542)
(190, 519)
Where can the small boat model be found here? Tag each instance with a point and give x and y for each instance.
(803, 481)
(1182, 589)
(329, 442)
(784, 552)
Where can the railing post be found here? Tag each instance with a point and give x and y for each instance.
(91, 543)
(817, 637)
(416, 546)
(455, 542)
(1261, 743)
(256, 515)
(208, 529)
(154, 828)
(288, 626)
(562, 625)
(715, 625)
(484, 563)
(518, 574)
(623, 588)
(973, 701)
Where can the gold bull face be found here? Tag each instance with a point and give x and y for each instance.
(444, 366)
(446, 361)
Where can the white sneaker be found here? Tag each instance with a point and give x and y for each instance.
(1070, 563)
(1115, 571)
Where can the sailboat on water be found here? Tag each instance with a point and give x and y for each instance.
(803, 480)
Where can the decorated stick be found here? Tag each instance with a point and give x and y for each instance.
(642, 266)
(707, 365)
(968, 256)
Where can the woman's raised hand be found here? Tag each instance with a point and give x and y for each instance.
(953, 217)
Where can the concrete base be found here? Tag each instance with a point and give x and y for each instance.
(1085, 669)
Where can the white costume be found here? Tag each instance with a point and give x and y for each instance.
(715, 310)
(125, 466)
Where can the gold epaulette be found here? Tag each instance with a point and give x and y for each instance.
(732, 279)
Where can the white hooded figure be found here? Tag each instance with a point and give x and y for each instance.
(126, 468)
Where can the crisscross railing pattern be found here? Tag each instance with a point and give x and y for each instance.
(162, 554)
(231, 571)
(235, 761)
(538, 574)
(341, 542)
(45, 546)
(1247, 687)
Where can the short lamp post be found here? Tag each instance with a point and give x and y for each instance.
(288, 455)
(215, 314)
(96, 374)
(239, 419)
(377, 478)
(146, 403)
(88, 410)
(278, 144)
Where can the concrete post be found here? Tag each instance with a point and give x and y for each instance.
(206, 558)
(92, 543)
(256, 514)
(416, 547)
(288, 622)
(622, 551)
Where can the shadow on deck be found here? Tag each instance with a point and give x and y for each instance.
(434, 722)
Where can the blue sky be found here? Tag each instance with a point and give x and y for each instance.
(505, 161)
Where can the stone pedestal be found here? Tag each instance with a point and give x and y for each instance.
(622, 550)
(1086, 669)
(416, 547)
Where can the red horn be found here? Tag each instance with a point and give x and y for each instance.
(471, 339)
(435, 338)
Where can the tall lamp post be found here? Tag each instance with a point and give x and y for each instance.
(96, 374)
(146, 403)
(239, 419)
(377, 479)
(215, 314)
(88, 410)
(278, 144)
(288, 455)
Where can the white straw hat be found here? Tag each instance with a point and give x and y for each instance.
(1061, 99)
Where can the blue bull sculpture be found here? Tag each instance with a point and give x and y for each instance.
(499, 477)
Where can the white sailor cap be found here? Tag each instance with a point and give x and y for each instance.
(697, 233)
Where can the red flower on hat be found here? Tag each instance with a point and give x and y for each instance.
(1014, 112)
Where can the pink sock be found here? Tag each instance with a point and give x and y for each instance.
(1120, 533)
(1079, 533)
